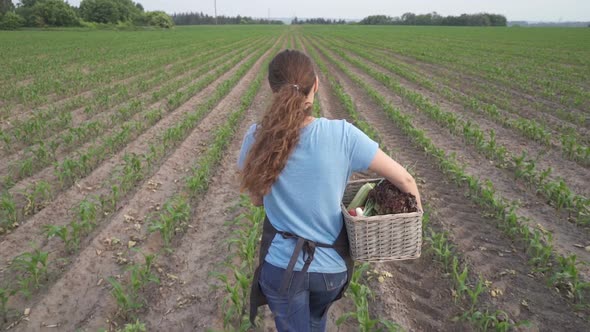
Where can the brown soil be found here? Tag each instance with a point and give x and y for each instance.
(57, 212)
(416, 294)
(62, 304)
(575, 175)
(409, 298)
(22, 113)
(519, 95)
(79, 117)
(488, 252)
(533, 207)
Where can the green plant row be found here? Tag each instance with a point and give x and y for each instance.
(70, 79)
(242, 246)
(43, 123)
(178, 212)
(564, 275)
(72, 169)
(128, 292)
(136, 167)
(532, 77)
(491, 93)
(360, 293)
(444, 252)
(30, 272)
(570, 146)
(556, 191)
(44, 153)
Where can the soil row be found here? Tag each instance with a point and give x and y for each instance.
(487, 251)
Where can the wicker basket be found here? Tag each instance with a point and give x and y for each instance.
(381, 238)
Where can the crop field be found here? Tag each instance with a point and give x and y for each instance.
(120, 204)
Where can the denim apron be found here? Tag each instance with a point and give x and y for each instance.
(308, 247)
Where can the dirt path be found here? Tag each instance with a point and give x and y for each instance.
(486, 250)
(62, 303)
(173, 116)
(533, 207)
(19, 113)
(520, 97)
(575, 175)
(103, 116)
(203, 248)
(57, 213)
(408, 298)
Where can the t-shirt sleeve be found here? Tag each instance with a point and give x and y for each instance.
(246, 144)
(362, 149)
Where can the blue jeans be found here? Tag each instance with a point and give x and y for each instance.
(305, 307)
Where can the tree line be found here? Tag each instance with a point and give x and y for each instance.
(481, 19)
(91, 13)
(319, 20)
(200, 19)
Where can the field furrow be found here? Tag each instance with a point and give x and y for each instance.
(404, 305)
(168, 181)
(487, 251)
(56, 148)
(531, 207)
(575, 175)
(58, 211)
(120, 199)
(493, 92)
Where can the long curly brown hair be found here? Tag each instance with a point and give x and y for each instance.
(291, 77)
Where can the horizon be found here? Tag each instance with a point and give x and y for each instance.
(542, 11)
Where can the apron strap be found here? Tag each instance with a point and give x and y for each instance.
(308, 248)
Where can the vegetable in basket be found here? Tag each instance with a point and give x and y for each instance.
(386, 198)
(361, 196)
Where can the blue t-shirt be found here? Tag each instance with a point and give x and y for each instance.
(305, 199)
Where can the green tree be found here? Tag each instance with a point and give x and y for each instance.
(11, 21)
(110, 11)
(6, 6)
(54, 13)
(28, 3)
(159, 19)
(100, 11)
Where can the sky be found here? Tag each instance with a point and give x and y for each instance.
(514, 10)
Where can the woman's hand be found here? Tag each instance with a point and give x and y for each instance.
(388, 168)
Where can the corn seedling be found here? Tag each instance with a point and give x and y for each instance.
(5, 295)
(8, 212)
(127, 300)
(33, 268)
(134, 327)
(497, 320)
(37, 197)
(360, 294)
(567, 279)
(87, 213)
(128, 295)
(174, 218)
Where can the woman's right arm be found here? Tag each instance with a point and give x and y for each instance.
(388, 168)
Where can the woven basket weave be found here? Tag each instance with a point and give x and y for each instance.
(381, 238)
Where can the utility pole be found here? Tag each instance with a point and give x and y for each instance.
(215, 5)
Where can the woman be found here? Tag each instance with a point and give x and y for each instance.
(297, 166)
